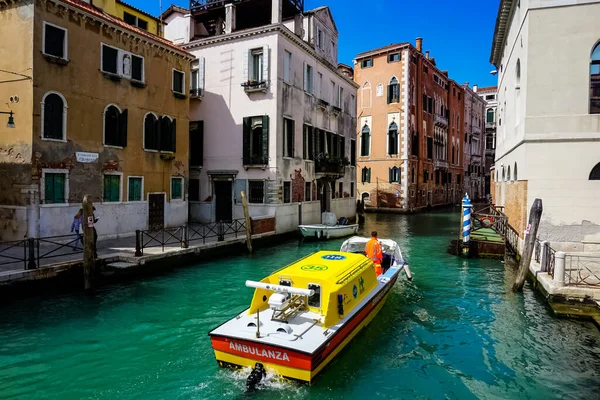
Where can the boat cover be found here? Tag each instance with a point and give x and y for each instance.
(356, 244)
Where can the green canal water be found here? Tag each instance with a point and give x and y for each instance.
(455, 332)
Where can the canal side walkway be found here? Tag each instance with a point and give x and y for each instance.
(115, 254)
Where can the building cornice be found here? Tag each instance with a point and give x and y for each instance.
(500, 30)
(263, 30)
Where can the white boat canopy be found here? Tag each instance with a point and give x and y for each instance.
(356, 244)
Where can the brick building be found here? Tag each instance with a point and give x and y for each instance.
(409, 115)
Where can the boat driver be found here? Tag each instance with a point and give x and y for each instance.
(373, 251)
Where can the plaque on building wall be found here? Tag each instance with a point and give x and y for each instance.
(379, 91)
(86, 157)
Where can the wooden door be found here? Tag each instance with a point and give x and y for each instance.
(156, 220)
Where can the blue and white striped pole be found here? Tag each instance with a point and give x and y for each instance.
(466, 225)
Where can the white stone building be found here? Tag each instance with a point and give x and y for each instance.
(272, 115)
(474, 162)
(548, 132)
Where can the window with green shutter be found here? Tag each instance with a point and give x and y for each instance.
(256, 140)
(135, 189)
(176, 188)
(54, 188)
(112, 188)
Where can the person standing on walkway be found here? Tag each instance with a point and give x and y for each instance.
(374, 253)
(77, 228)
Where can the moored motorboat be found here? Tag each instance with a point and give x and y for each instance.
(303, 315)
(330, 228)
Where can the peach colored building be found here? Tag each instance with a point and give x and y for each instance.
(409, 128)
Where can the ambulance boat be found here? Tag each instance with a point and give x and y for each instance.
(303, 315)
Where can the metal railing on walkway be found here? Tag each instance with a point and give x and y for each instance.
(182, 236)
(582, 270)
(31, 252)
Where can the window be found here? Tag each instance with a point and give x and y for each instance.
(429, 148)
(366, 95)
(412, 176)
(333, 93)
(142, 24)
(490, 97)
(595, 81)
(197, 143)
(135, 188)
(394, 173)
(178, 82)
(194, 189)
(308, 146)
(319, 38)
(176, 188)
(256, 192)
(366, 63)
(151, 132)
(458, 179)
(393, 139)
(168, 134)
(287, 192)
(160, 134)
(490, 116)
(425, 176)
(352, 152)
(54, 117)
(197, 78)
(115, 126)
(288, 137)
(429, 105)
(459, 96)
(112, 188)
(308, 79)
(340, 102)
(307, 191)
(320, 85)
(595, 173)
(515, 172)
(415, 144)
(287, 66)
(365, 141)
(55, 185)
(55, 41)
(341, 189)
(352, 189)
(393, 91)
(137, 68)
(425, 69)
(315, 299)
(109, 59)
(366, 175)
(135, 21)
(122, 63)
(256, 140)
(393, 57)
(256, 71)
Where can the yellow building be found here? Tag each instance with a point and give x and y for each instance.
(101, 108)
(129, 14)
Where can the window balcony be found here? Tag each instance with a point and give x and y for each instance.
(330, 165)
(196, 94)
(440, 164)
(335, 110)
(255, 161)
(322, 104)
(490, 152)
(440, 120)
(252, 86)
(490, 125)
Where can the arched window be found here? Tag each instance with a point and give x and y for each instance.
(112, 125)
(365, 196)
(515, 172)
(54, 116)
(366, 95)
(503, 174)
(595, 80)
(595, 174)
(167, 134)
(508, 176)
(366, 175)
(393, 94)
(518, 74)
(365, 141)
(393, 139)
(151, 132)
(394, 173)
(412, 176)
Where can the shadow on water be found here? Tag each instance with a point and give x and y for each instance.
(456, 331)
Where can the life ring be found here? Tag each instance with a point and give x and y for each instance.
(487, 221)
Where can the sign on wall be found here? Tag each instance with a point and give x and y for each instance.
(379, 91)
(86, 157)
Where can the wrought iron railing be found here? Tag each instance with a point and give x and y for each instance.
(582, 270)
(549, 260)
(10, 253)
(512, 239)
(31, 252)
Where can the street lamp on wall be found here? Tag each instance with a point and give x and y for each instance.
(11, 120)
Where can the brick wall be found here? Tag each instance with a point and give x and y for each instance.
(516, 205)
(263, 225)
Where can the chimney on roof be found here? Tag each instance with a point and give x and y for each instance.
(467, 84)
(419, 44)
(276, 8)
(427, 54)
(475, 87)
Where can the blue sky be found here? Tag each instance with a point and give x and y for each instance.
(458, 33)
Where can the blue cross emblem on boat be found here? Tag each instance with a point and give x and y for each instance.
(354, 291)
(333, 257)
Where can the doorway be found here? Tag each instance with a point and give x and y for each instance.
(223, 201)
(156, 218)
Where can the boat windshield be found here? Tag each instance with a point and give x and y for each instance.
(357, 245)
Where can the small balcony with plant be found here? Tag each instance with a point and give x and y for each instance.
(326, 163)
(253, 85)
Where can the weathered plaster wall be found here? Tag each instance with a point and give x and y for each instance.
(13, 223)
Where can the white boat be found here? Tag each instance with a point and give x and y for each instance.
(329, 229)
(392, 256)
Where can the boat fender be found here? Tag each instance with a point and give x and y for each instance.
(407, 272)
(257, 374)
(340, 304)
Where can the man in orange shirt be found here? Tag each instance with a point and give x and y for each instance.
(373, 252)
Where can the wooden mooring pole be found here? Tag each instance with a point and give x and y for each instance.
(88, 242)
(535, 215)
(248, 222)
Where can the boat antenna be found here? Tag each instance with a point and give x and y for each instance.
(258, 323)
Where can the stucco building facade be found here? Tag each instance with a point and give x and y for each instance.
(474, 144)
(548, 147)
(100, 108)
(410, 127)
(488, 94)
(275, 115)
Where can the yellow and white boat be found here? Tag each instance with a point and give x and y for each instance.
(303, 315)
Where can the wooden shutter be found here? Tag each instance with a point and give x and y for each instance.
(245, 61)
(342, 146)
(157, 134)
(173, 136)
(265, 138)
(123, 129)
(305, 78)
(293, 137)
(311, 143)
(369, 175)
(389, 93)
(265, 65)
(305, 142)
(201, 73)
(391, 174)
(246, 140)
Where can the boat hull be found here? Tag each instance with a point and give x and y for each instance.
(293, 364)
(328, 232)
